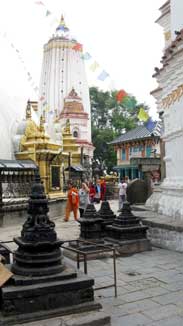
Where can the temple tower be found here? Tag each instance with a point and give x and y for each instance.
(169, 97)
(63, 70)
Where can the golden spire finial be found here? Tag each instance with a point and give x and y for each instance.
(62, 26)
(28, 110)
(42, 123)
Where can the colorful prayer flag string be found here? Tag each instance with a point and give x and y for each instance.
(77, 47)
(103, 75)
(86, 56)
(39, 3)
(94, 66)
(120, 95)
(143, 115)
(150, 124)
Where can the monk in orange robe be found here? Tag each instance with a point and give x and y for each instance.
(72, 202)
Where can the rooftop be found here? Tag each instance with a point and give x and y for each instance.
(139, 133)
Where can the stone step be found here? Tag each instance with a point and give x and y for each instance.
(87, 319)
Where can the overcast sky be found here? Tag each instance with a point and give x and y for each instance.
(121, 35)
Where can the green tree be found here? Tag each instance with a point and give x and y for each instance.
(110, 119)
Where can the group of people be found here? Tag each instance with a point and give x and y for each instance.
(79, 199)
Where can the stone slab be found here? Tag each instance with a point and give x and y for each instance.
(42, 315)
(87, 319)
(130, 247)
(163, 231)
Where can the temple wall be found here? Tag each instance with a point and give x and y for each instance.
(16, 213)
(176, 16)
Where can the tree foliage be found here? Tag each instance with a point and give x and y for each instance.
(109, 120)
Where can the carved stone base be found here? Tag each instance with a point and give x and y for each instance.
(95, 318)
(168, 201)
(67, 289)
(130, 247)
(39, 259)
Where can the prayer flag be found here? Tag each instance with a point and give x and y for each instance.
(86, 56)
(120, 95)
(48, 13)
(142, 115)
(150, 124)
(36, 89)
(103, 75)
(127, 102)
(39, 3)
(77, 47)
(94, 66)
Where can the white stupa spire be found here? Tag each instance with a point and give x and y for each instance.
(63, 70)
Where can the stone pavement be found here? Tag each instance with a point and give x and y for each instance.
(150, 284)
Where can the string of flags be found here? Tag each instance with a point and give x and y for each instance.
(103, 75)
(21, 60)
(123, 98)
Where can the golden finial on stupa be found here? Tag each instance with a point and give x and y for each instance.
(62, 26)
(28, 110)
(42, 121)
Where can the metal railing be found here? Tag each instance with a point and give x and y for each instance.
(85, 254)
(101, 248)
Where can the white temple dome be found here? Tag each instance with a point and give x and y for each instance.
(11, 109)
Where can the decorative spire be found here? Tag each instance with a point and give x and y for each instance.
(42, 121)
(62, 26)
(28, 110)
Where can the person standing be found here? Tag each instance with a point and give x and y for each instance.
(122, 186)
(72, 202)
(103, 190)
(83, 198)
(92, 192)
(97, 195)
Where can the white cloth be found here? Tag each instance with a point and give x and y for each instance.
(122, 186)
(83, 198)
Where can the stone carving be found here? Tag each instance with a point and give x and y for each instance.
(90, 224)
(39, 249)
(107, 216)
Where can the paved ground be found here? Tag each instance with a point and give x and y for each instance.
(150, 284)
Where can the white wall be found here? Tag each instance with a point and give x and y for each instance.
(176, 16)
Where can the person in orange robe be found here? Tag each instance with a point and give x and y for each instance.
(72, 202)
